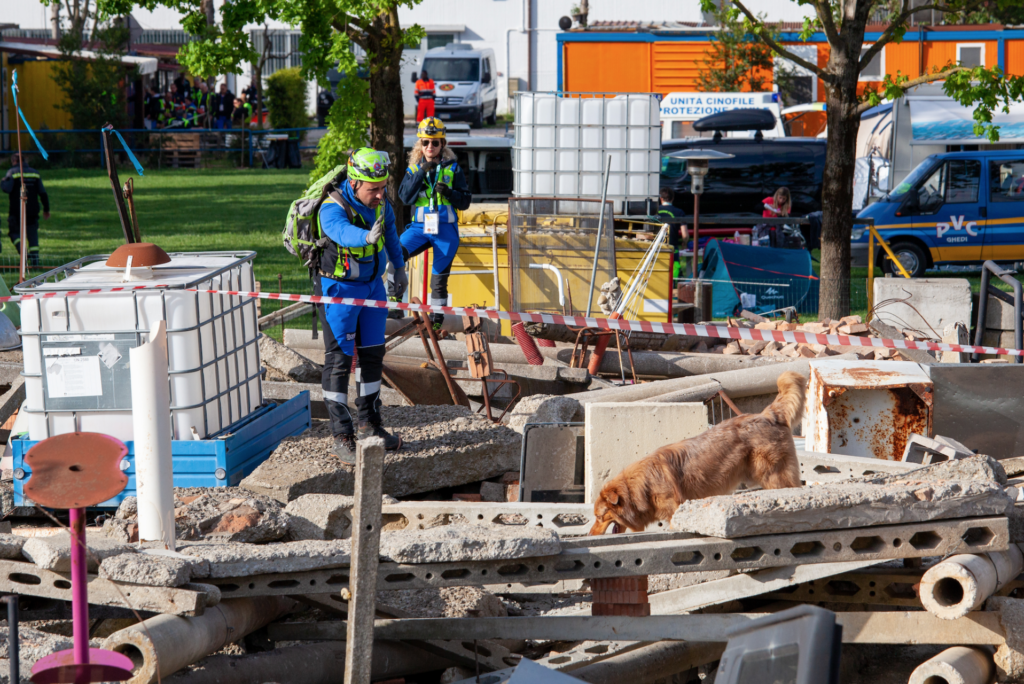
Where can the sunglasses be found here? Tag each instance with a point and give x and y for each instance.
(431, 143)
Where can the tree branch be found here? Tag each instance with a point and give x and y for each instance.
(901, 19)
(822, 9)
(920, 80)
(346, 28)
(774, 45)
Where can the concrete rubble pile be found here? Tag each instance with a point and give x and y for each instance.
(483, 559)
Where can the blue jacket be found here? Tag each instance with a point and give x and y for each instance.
(335, 224)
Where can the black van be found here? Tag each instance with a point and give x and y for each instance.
(736, 187)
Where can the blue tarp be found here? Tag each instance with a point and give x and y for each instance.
(758, 279)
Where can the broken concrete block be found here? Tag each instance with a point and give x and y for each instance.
(454, 543)
(320, 516)
(230, 515)
(445, 446)
(978, 467)
(542, 408)
(620, 433)
(924, 303)
(286, 362)
(129, 509)
(54, 553)
(243, 560)
(926, 451)
(148, 569)
(11, 545)
(827, 507)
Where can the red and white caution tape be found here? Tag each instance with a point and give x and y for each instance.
(711, 331)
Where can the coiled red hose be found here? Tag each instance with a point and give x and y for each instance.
(527, 344)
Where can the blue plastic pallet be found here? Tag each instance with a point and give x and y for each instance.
(221, 462)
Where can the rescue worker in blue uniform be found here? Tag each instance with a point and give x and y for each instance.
(434, 186)
(361, 238)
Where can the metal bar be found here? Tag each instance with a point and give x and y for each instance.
(910, 627)
(365, 558)
(885, 246)
(12, 638)
(600, 227)
(871, 272)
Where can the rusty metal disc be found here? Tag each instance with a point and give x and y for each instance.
(75, 470)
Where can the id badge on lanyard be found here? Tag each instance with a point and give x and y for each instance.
(430, 222)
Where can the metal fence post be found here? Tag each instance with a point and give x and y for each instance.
(366, 524)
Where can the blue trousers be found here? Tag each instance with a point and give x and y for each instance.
(444, 245)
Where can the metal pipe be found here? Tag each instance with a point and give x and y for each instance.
(558, 280)
(12, 639)
(170, 643)
(79, 588)
(649, 664)
(600, 226)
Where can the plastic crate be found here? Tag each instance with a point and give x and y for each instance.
(221, 462)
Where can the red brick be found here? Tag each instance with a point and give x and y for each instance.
(637, 583)
(622, 609)
(467, 497)
(619, 597)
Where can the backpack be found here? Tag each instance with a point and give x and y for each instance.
(300, 234)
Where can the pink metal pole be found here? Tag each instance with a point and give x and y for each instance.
(79, 589)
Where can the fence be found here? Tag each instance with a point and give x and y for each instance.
(773, 294)
(174, 147)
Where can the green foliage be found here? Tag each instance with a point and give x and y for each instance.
(738, 60)
(985, 90)
(286, 98)
(94, 92)
(348, 125)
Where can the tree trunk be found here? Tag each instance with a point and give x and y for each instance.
(55, 21)
(388, 127)
(211, 19)
(837, 186)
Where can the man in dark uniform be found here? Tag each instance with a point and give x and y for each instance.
(678, 235)
(11, 184)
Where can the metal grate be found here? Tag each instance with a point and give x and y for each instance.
(561, 233)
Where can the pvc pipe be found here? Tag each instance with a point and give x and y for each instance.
(957, 665)
(558, 279)
(958, 585)
(170, 642)
(600, 229)
(151, 426)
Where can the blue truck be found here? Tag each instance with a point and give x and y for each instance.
(952, 208)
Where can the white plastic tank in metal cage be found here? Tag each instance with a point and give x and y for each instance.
(77, 375)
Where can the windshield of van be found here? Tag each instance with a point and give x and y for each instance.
(453, 69)
(912, 179)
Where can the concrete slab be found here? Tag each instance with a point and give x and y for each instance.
(54, 553)
(444, 446)
(286, 362)
(620, 433)
(11, 545)
(830, 507)
(457, 543)
(320, 516)
(243, 560)
(151, 570)
(933, 303)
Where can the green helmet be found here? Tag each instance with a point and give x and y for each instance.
(367, 164)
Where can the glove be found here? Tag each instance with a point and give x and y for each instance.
(429, 166)
(375, 233)
(401, 282)
(444, 190)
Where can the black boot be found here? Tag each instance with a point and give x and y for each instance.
(391, 442)
(344, 448)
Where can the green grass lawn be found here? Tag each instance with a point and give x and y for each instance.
(180, 210)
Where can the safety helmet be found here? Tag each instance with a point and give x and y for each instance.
(368, 164)
(431, 127)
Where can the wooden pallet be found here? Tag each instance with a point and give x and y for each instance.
(182, 150)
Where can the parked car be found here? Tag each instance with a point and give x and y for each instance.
(736, 187)
(466, 83)
(953, 208)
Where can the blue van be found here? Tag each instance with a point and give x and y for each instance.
(954, 208)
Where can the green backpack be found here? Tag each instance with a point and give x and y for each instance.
(300, 234)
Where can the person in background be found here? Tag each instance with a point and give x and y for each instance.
(202, 97)
(778, 205)
(424, 97)
(174, 95)
(11, 184)
(323, 106)
(435, 187)
(183, 86)
(152, 107)
(678, 234)
(223, 106)
(242, 114)
(358, 225)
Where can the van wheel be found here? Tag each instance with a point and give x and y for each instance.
(911, 256)
(492, 120)
(478, 119)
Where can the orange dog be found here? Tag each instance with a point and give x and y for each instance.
(752, 448)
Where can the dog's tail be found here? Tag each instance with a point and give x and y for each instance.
(789, 405)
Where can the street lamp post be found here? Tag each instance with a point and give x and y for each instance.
(697, 166)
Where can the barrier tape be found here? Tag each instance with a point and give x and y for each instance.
(712, 331)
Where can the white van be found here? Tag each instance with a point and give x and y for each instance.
(465, 80)
(680, 110)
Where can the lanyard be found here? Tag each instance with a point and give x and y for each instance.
(431, 193)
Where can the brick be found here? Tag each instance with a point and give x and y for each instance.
(621, 609)
(638, 583)
(475, 498)
(853, 329)
(619, 597)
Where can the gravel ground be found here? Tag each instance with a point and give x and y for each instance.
(424, 429)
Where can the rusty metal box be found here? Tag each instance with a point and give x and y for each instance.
(866, 408)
